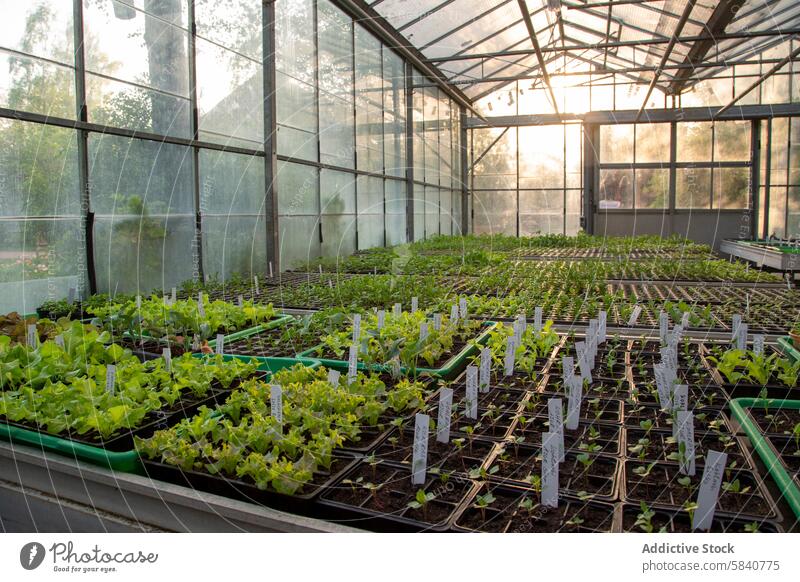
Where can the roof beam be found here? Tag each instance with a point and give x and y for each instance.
(673, 41)
(526, 16)
(719, 20)
(607, 4)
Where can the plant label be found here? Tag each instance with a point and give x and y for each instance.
(602, 320)
(195, 342)
(583, 364)
(423, 331)
(381, 319)
(685, 439)
(662, 386)
(352, 364)
(637, 311)
(320, 270)
(419, 460)
(414, 304)
(758, 344)
(139, 302)
(166, 353)
(741, 337)
(486, 368)
(356, 328)
(60, 341)
(333, 377)
(735, 323)
(33, 336)
(276, 402)
(270, 270)
(166, 301)
(330, 283)
(71, 295)
(550, 457)
(680, 398)
(437, 321)
(709, 490)
(511, 353)
(537, 319)
(397, 309)
(220, 344)
(255, 281)
(677, 336)
(201, 309)
(462, 308)
(663, 326)
(174, 296)
(517, 332)
(523, 324)
(240, 301)
(445, 413)
(567, 368)
(454, 314)
(685, 320)
(472, 392)
(555, 416)
(574, 403)
(111, 378)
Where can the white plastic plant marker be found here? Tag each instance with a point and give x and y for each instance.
(111, 378)
(414, 304)
(330, 283)
(663, 326)
(486, 369)
(454, 314)
(419, 459)
(276, 402)
(511, 350)
(709, 490)
(270, 270)
(685, 320)
(663, 387)
(423, 331)
(685, 438)
(523, 324)
(255, 281)
(32, 338)
(166, 354)
(445, 413)
(583, 363)
(574, 403)
(220, 344)
(736, 321)
(550, 458)
(240, 301)
(437, 321)
(320, 270)
(397, 309)
(71, 295)
(356, 328)
(352, 364)
(139, 302)
(517, 332)
(567, 368)
(462, 307)
(680, 398)
(333, 377)
(555, 416)
(602, 320)
(166, 301)
(758, 344)
(195, 342)
(381, 319)
(637, 311)
(741, 337)
(59, 339)
(201, 308)
(472, 393)
(537, 319)
(174, 296)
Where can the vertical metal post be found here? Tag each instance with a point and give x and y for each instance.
(87, 216)
(755, 174)
(767, 178)
(355, 130)
(590, 177)
(270, 134)
(466, 225)
(516, 147)
(197, 256)
(409, 89)
(673, 174)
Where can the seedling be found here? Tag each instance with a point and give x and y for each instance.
(484, 501)
(587, 461)
(752, 527)
(640, 449)
(482, 473)
(644, 519)
(686, 483)
(735, 487)
(644, 471)
(373, 462)
(421, 501)
(575, 521)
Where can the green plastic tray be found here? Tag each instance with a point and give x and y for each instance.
(270, 365)
(125, 462)
(768, 455)
(451, 368)
(788, 348)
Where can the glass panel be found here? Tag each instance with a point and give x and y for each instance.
(431, 211)
(28, 84)
(42, 28)
(431, 135)
(235, 24)
(298, 189)
(693, 188)
(652, 143)
(369, 102)
(234, 245)
(297, 118)
(445, 217)
(616, 144)
(370, 195)
(338, 235)
(732, 141)
(394, 102)
(370, 231)
(793, 217)
(338, 192)
(777, 211)
(616, 189)
(231, 183)
(498, 166)
(294, 43)
(694, 142)
(731, 188)
(541, 156)
(495, 213)
(299, 240)
(652, 188)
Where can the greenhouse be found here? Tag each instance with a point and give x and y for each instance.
(518, 266)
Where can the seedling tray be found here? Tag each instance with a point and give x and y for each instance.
(660, 447)
(788, 348)
(268, 365)
(124, 462)
(786, 484)
(448, 371)
(678, 521)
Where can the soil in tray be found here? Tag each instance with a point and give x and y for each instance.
(447, 457)
(501, 398)
(490, 423)
(704, 418)
(519, 380)
(789, 453)
(272, 343)
(640, 346)
(680, 522)
(692, 375)
(389, 493)
(776, 421)
(711, 395)
(661, 446)
(592, 409)
(597, 389)
(661, 487)
(505, 515)
(520, 465)
(588, 437)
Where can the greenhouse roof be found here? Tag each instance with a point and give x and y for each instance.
(482, 45)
